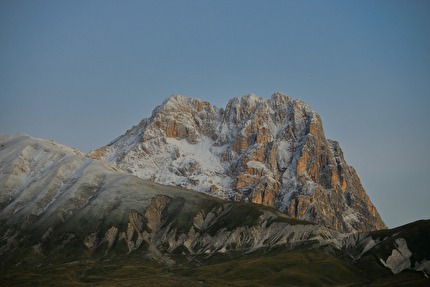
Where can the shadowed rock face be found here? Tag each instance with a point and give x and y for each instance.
(270, 152)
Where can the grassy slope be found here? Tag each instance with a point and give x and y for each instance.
(265, 268)
(302, 268)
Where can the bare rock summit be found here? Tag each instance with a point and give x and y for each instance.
(271, 152)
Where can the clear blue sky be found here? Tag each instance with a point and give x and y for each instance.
(83, 72)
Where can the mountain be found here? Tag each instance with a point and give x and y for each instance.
(54, 200)
(270, 152)
(69, 220)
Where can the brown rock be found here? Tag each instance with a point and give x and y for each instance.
(275, 153)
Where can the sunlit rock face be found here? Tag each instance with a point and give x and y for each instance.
(271, 152)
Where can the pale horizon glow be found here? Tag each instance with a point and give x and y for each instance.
(83, 72)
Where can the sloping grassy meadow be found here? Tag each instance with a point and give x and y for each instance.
(278, 267)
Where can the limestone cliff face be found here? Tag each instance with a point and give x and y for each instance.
(270, 152)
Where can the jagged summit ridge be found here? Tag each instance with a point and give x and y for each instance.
(272, 152)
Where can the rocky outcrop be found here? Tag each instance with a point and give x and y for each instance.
(270, 152)
(397, 249)
(207, 234)
(399, 258)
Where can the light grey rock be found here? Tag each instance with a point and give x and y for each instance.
(399, 259)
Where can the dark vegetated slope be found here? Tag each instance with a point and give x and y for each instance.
(406, 278)
(278, 267)
(288, 268)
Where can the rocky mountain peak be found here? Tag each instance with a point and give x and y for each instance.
(177, 103)
(270, 152)
(182, 118)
